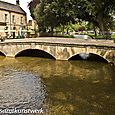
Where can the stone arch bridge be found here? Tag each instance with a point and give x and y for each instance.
(60, 49)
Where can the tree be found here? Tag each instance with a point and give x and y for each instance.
(32, 5)
(102, 12)
(97, 12)
(50, 14)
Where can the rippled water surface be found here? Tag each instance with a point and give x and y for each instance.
(59, 87)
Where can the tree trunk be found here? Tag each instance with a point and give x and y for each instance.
(104, 31)
(63, 30)
(52, 30)
(95, 31)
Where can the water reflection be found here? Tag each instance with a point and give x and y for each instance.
(73, 88)
(111, 69)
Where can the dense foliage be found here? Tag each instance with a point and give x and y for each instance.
(55, 13)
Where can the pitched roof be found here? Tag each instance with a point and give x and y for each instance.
(11, 7)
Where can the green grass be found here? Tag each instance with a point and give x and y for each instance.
(102, 37)
(113, 36)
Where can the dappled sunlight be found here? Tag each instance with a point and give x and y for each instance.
(72, 88)
(84, 97)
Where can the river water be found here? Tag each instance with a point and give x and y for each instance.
(59, 87)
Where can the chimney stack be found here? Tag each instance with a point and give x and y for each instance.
(18, 2)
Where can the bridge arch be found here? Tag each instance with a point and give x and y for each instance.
(2, 53)
(34, 53)
(88, 56)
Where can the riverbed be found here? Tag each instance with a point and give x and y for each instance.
(59, 87)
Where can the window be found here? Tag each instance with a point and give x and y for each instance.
(13, 19)
(21, 20)
(6, 17)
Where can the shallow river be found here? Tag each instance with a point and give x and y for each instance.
(58, 87)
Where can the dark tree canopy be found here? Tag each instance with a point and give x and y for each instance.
(54, 13)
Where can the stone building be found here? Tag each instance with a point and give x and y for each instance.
(13, 19)
(32, 28)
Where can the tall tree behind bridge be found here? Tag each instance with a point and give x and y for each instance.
(102, 12)
(54, 13)
(50, 14)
